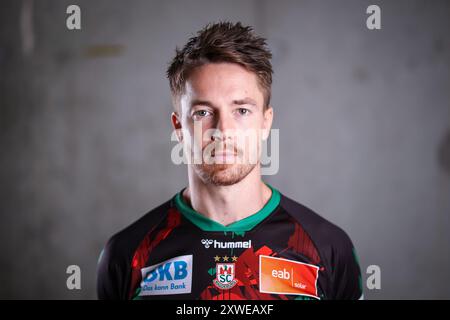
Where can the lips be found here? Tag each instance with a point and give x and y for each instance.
(224, 154)
(224, 151)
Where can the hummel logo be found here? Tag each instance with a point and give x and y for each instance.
(207, 242)
(226, 245)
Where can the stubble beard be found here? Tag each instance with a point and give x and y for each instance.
(223, 174)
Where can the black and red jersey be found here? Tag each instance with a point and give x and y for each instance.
(284, 251)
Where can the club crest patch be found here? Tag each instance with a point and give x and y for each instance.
(225, 273)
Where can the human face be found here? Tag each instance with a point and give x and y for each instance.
(225, 101)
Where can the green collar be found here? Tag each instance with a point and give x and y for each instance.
(242, 225)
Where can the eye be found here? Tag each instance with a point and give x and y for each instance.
(200, 114)
(244, 111)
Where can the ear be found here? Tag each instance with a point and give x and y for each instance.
(176, 123)
(267, 125)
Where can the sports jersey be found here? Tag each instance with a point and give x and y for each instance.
(284, 251)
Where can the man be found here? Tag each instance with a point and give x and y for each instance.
(228, 234)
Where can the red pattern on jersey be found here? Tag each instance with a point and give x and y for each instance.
(300, 242)
(147, 245)
(247, 275)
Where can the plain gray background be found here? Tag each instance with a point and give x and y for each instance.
(85, 134)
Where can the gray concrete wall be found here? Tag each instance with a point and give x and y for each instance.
(85, 134)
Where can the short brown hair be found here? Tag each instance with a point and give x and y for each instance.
(223, 42)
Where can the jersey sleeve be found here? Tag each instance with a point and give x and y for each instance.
(114, 268)
(347, 281)
(110, 274)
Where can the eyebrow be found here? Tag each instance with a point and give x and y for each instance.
(246, 100)
(197, 102)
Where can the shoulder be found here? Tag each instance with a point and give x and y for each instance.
(335, 248)
(322, 232)
(126, 240)
(114, 265)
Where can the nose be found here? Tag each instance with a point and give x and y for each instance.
(224, 127)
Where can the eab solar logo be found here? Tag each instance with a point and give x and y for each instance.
(173, 276)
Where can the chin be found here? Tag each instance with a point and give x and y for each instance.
(223, 174)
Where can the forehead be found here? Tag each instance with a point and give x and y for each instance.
(223, 80)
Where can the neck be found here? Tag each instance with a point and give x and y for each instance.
(227, 204)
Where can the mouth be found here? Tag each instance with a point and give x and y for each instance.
(224, 151)
(224, 154)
